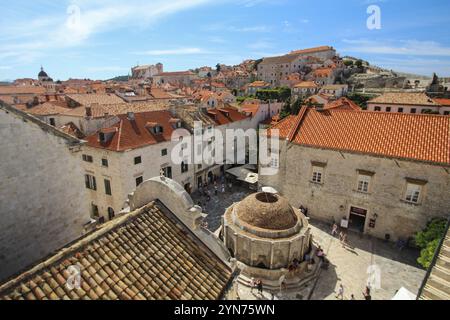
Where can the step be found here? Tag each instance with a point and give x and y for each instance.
(443, 262)
(438, 288)
(445, 251)
(428, 294)
(441, 273)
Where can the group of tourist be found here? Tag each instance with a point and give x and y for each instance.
(257, 284)
(340, 293)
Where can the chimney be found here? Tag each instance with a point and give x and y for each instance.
(88, 112)
(130, 116)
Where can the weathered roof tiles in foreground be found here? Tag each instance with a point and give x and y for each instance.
(145, 255)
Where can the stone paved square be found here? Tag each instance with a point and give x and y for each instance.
(349, 265)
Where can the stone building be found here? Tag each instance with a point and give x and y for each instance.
(266, 234)
(180, 78)
(273, 69)
(42, 197)
(385, 174)
(407, 102)
(119, 158)
(146, 71)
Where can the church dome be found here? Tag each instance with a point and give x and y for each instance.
(267, 211)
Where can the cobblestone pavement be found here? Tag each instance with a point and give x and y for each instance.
(216, 207)
(350, 266)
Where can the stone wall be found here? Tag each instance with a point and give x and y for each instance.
(385, 202)
(42, 194)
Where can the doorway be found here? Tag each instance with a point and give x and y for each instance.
(357, 219)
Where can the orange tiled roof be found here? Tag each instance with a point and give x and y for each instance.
(47, 109)
(175, 73)
(406, 136)
(145, 255)
(88, 99)
(343, 104)
(226, 115)
(99, 111)
(133, 134)
(306, 84)
(258, 84)
(323, 72)
(22, 90)
(443, 102)
(404, 98)
(312, 50)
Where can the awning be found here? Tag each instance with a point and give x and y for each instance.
(404, 295)
(244, 174)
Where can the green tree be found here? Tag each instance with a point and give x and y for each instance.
(428, 240)
(348, 63)
(218, 67)
(359, 63)
(427, 254)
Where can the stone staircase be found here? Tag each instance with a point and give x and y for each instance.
(437, 286)
(292, 282)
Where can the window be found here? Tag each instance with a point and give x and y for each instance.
(52, 122)
(88, 158)
(168, 172)
(90, 182)
(137, 160)
(388, 109)
(95, 212)
(364, 183)
(164, 152)
(139, 181)
(377, 108)
(274, 163)
(184, 167)
(413, 110)
(400, 110)
(317, 176)
(105, 163)
(413, 192)
(108, 187)
(446, 113)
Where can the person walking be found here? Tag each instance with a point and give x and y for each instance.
(340, 294)
(344, 240)
(252, 284)
(334, 231)
(366, 294)
(260, 287)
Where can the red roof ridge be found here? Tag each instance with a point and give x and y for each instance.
(120, 133)
(298, 121)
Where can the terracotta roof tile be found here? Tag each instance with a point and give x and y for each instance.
(312, 50)
(343, 104)
(131, 258)
(95, 98)
(133, 134)
(404, 98)
(442, 102)
(406, 136)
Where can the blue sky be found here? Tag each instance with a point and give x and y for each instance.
(110, 36)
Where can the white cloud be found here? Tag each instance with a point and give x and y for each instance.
(27, 39)
(403, 47)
